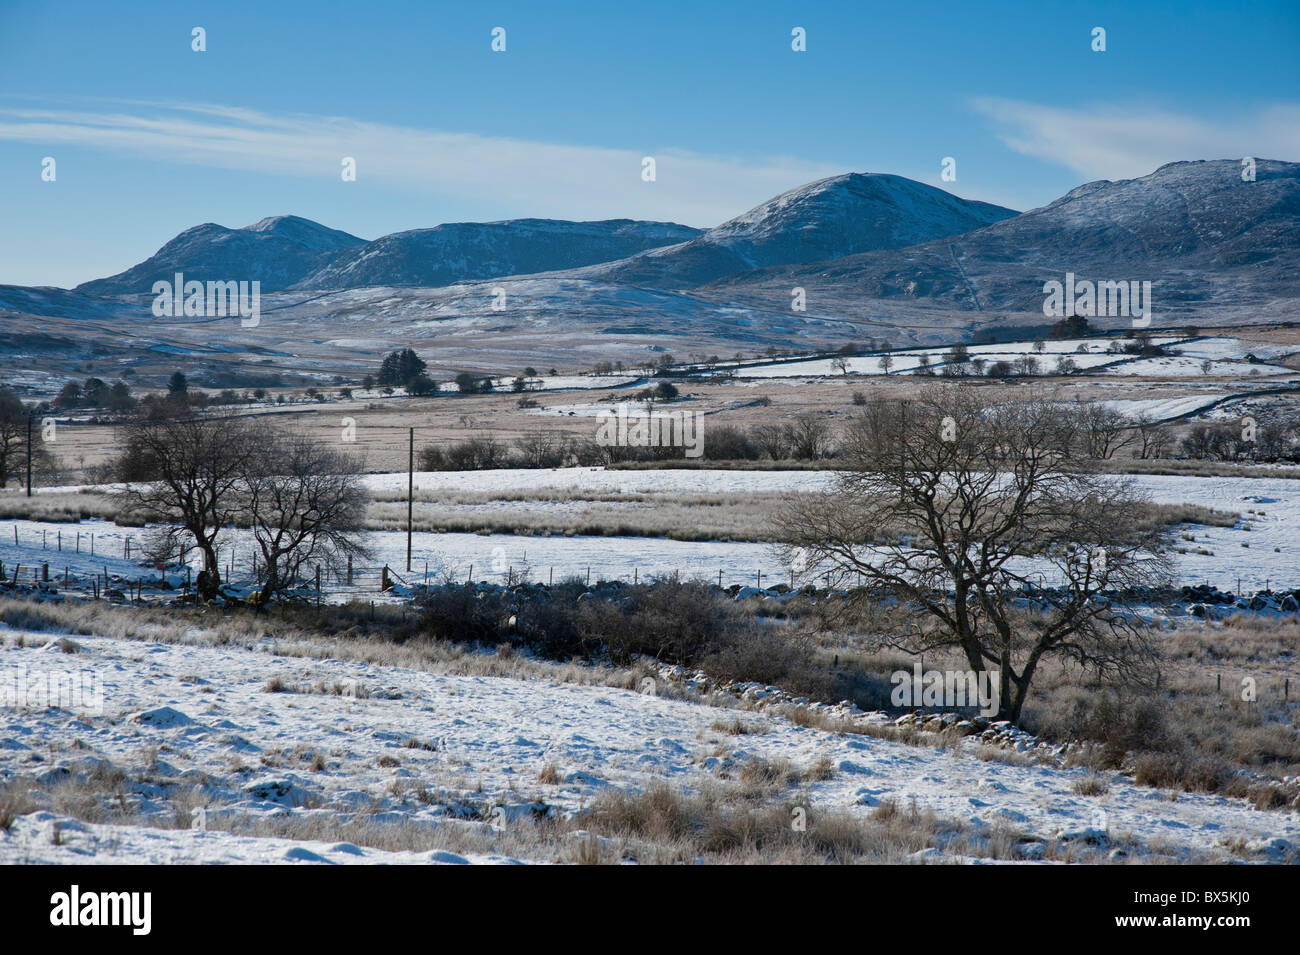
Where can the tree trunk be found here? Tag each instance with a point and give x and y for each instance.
(209, 579)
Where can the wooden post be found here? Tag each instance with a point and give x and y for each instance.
(45, 572)
(60, 540)
(719, 578)
(92, 545)
(349, 570)
(588, 575)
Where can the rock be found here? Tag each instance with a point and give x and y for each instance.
(162, 718)
(299, 854)
(1032, 850)
(1089, 835)
(277, 790)
(1289, 604)
(1276, 848)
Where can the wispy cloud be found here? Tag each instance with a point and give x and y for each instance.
(536, 178)
(1104, 142)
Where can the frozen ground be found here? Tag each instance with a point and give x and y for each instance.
(1266, 554)
(1222, 354)
(178, 716)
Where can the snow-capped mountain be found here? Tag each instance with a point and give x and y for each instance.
(1201, 233)
(1218, 249)
(276, 251)
(469, 251)
(827, 219)
(291, 252)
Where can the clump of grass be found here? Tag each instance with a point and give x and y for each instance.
(738, 727)
(14, 802)
(550, 775)
(1091, 785)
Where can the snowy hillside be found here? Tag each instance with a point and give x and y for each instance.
(827, 219)
(276, 251)
(1200, 234)
(469, 251)
(194, 726)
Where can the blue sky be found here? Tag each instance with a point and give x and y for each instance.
(150, 137)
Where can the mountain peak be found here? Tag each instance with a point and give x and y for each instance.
(830, 218)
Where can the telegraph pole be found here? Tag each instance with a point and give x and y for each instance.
(410, 494)
(30, 414)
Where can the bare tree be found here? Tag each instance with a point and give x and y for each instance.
(1153, 438)
(305, 504)
(808, 437)
(190, 471)
(13, 435)
(991, 501)
(773, 441)
(1104, 430)
(541, 449)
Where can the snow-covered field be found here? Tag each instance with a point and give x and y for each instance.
(1221, 353)
(1165, 409)
(179, 716)
(1266, 554)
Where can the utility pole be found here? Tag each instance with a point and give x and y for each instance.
(30, 415)
(410, 495)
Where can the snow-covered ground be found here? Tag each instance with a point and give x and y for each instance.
(178, 716)
(1165, 409)
(1183, 366)
(1222, 354)
(1268, 554)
